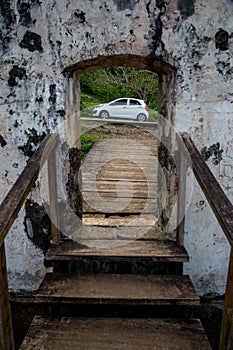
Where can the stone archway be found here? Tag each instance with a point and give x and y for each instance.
(166, 104)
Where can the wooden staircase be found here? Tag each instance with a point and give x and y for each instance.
(119, 283)
(126, 297)
(126, 290)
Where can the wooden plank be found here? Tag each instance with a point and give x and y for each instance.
(15, 198)
(141, 159)
(181, 200)
(129, 143)
(129, 155)
(120, 177)
(115, 334)
(120, 166)
(220, 204)
(122, 170)
(111, 195)
(121, 205)
(157, 249)
(6, 330)
(112, 185)
(226, 335)
(53, 205)
(117, 289)
(115, 220)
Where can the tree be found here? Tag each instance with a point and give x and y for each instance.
(140, 84)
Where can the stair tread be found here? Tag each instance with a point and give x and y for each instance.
(158, 250)
(117, 288)
(114, 334)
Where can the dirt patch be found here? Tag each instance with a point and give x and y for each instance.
(126, 131)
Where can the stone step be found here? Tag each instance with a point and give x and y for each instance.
(117, 289)
(139, 256)
(115, 334)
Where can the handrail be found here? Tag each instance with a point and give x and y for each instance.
(9, 210)
(220, 204)
(15, 198)
(223, 210)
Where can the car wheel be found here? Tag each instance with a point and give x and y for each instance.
(104, 114)
(141, 117)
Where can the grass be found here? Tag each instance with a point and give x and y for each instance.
(87, 142)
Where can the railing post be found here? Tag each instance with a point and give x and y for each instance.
(226, 336)
(6, 330)
(53, 197)
(181, 198)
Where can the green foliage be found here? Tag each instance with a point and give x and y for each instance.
(87, 142)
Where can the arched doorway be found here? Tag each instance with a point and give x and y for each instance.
(167, 76)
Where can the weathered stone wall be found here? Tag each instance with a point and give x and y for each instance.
(43, 42)
(203, 45)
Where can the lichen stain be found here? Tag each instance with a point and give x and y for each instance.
(221, 40)
(3, 142)
(37, 225)
(8, 16)
(32, 42)
(24, 10)
(16, 73)
(33, 140)
(80, 16)
(125, 4)
(212, 151)
(8, 19)
(186, 8)
(165, 158)
(53, 95)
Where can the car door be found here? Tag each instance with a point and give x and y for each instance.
(134, 108)
(118, 108)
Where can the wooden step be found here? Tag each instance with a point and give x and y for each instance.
(139, 256)
(115, 334)
(158, 250)
(117, 289)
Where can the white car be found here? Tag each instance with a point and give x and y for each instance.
(127, 108)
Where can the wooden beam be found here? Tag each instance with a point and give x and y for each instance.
(219, 203)
(15, 198)
(181, 205)
(226, 335)
(53, 212)
(6, 330)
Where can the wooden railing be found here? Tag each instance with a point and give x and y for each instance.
(223, 210)
(9, 210)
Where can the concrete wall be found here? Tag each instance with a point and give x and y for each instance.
(43, 42)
